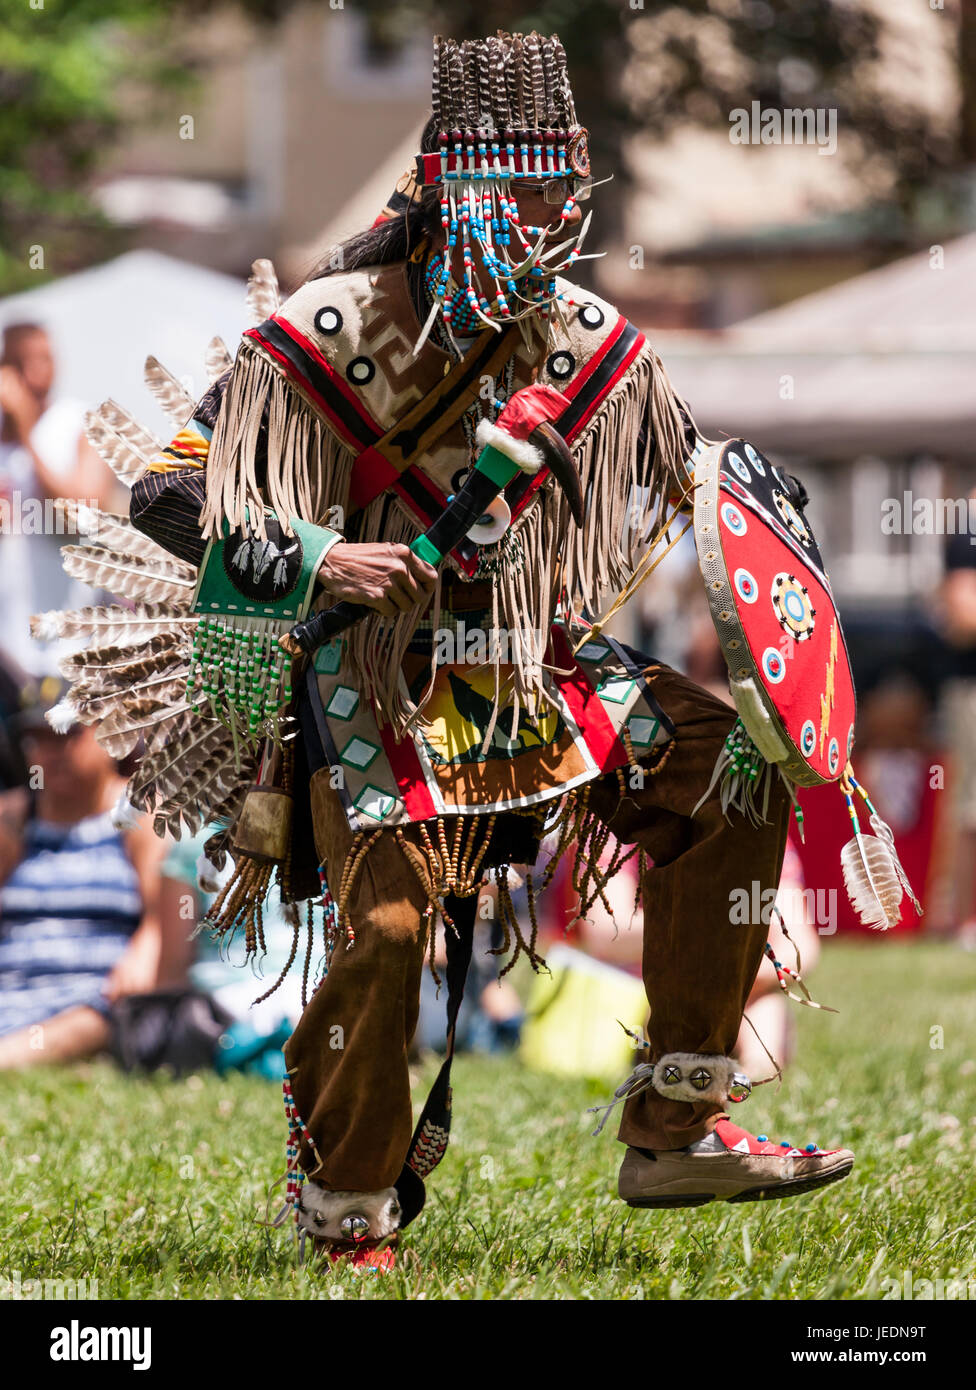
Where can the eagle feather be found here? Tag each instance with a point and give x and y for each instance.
(127, 576)
(262, 291)
(171, 394)
(872, 881)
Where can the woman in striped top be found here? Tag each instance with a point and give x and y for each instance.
(80, 920)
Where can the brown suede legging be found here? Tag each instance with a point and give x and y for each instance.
(349, 1050)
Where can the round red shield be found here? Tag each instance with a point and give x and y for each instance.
(773, 611)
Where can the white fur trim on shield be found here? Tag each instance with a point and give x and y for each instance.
(759, 725)
(520, 451)
(694, 1076)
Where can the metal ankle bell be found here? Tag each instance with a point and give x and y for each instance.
(354, 1227)
(740, 1087)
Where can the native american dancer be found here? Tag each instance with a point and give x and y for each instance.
(364, 572)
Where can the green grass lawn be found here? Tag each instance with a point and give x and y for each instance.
(156, 1188)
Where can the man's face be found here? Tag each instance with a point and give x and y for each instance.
(35, 361)
(535, 211)
(69, 762)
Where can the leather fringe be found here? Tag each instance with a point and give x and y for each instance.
(544, 558)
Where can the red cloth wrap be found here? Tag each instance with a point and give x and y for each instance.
(529, 407)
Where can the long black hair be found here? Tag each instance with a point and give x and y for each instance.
(393, 239)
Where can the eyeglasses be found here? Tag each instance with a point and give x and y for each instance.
(556, 191)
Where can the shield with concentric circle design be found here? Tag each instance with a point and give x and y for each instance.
(773, 611)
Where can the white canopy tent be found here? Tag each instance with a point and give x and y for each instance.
(105, 321)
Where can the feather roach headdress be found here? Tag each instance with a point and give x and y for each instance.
(504, 111)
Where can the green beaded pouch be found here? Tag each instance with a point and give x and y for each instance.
(249, 593)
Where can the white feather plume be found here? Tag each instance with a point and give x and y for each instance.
(61, 716)
(124, 814)
(872, 882)
(47, 627)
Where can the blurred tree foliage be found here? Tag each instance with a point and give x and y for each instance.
(70, 73)
(654, 65)
(648, 64)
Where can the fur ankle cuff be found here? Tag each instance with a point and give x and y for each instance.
(693, 1076)
(348, 1216)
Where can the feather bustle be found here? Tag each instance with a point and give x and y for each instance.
(127, 576)
(120, 732)
(263, 298)
(142, 440)
(177, 402)
(112, 624)
(111, 531)
(127, 463)
(217, 360)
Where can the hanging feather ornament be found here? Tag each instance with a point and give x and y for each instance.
(874, 877)
(132, 678)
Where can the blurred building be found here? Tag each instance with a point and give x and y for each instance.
(285, 123)
(865, 390)
(297, 131)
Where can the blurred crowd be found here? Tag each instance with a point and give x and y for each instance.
(96, 923)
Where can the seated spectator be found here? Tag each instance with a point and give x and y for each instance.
(80, 922)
